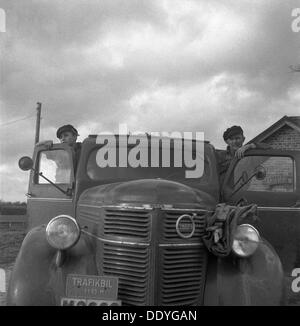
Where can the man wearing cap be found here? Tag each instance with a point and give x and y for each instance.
(234, 138)
(67, 134)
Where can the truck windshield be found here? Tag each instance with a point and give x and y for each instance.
(55, 165)
(172, 171)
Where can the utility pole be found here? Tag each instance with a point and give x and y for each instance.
(38, 122)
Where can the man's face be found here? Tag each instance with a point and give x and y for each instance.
(68, 137)
(235, 141)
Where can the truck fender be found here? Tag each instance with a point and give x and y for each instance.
(256, 280)
(36, 279)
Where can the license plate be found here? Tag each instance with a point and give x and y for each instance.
(88, 302)
(92, 287)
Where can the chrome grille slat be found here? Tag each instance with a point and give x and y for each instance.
(128, 286)
(180, 268)
(179, 256)
(183, 275)
(127, 251)
(179, 275)
(183, 284)
(184, 261)
(123, 261)
(182, 279)
(184, 293)
(126, 277)
(124, 268)
(131, 265)
(127, 223)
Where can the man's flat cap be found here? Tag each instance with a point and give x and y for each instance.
(232, 131)
(66, 128)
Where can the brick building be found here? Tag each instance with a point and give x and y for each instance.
(283, 134)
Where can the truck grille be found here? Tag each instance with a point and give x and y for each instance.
(171, 217)
(131, 266)
(182, 273)
(154, 268)
(129, 223)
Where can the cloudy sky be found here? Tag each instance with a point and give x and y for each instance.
(157, 65)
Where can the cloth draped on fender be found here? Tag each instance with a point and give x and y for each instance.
(221, 225)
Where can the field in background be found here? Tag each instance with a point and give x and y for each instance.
(12, 233)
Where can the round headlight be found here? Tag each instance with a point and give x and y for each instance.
(62, 232)
(245, 240)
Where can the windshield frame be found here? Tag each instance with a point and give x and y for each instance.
(37, 154)
(83, 182)
(38, 178)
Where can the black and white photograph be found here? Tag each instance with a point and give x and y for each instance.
(150, 155)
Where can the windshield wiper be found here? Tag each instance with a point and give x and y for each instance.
(259, 173)
(67, 193)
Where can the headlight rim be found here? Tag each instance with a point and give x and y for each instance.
(51, 243)
(258, 240)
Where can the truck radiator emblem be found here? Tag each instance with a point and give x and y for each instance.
(185, 226)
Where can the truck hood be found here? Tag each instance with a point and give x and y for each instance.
(153, 192)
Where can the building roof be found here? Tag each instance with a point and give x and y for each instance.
(293, 122)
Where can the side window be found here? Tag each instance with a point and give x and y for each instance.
(54, 165)
(280, 174)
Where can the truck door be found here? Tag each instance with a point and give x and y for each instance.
(45, 201)
(277, 195)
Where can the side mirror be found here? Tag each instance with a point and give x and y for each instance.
(25, 163)
(260, 172)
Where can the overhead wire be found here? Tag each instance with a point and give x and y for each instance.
(14, 121)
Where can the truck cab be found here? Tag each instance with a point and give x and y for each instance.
(44, 199)
(138, 234)
(277, 196)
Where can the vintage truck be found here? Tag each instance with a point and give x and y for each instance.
(105, 235)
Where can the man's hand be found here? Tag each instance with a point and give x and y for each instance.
(240, 152)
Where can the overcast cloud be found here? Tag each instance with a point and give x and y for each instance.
(165, 65)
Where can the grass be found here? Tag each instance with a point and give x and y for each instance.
(10, 244)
